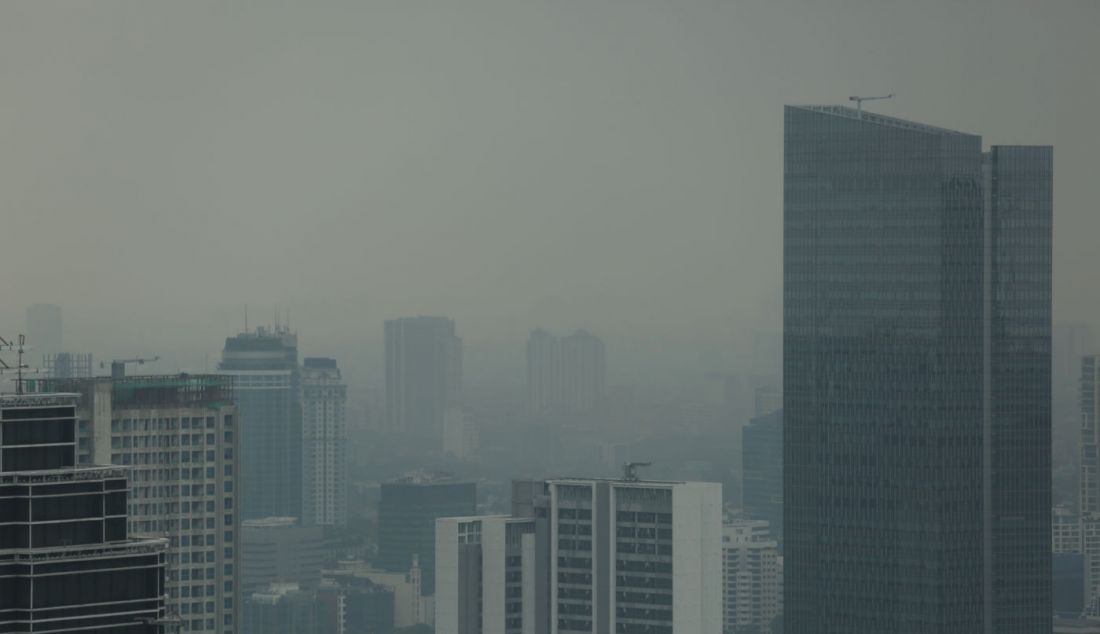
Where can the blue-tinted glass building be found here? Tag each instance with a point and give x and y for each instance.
(917, 290)
(264, 367)
(762, 471)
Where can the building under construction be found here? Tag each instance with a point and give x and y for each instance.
(179, 436)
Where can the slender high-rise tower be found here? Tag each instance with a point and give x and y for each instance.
(423, 375)
(324, 444)
(917, 305)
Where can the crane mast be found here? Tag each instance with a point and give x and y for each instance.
(859, 101)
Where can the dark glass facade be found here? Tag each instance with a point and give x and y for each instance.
(423, 376)
(407, 513)
(762, 471)
(264, 367)
(916, 378)
(66, 561)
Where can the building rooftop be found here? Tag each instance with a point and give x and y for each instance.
(148, 390)
(423, 476)
(39, 400)
(271, 522)
(624, 482)
(65, 474)
(880, 119)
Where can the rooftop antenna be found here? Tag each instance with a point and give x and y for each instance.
(859, 101)
(630, 470)
(18, 347)
(246, 318)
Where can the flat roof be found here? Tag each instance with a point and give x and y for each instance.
(880, 119)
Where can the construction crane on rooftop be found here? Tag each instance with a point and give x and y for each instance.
(859, 101)
(118, 366)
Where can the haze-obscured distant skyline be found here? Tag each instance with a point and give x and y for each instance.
(612, 165)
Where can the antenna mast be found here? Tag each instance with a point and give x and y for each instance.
(19, 348)
(859, 101)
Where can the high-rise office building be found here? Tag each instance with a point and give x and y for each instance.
(281, 608)
(635, 555)
(916, 396)
(1090, 435)
(44, 328)
(423, 375)
(543, 373)
(264, 367)
(324, 444)
(68, 562)
(487, 575)
(752, 573)
(1089, 481)
(280, 549)
(581, 555)
(566, 376)
(625, 555)
(762, 471)
(177, 435)
(407, 512)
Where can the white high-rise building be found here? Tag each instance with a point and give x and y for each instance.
(635, 555)
(751, 576)
(486, 575)
(324, 444)
(585, 556)
(178, 436)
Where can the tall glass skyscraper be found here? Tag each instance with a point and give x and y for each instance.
(917, 299)
(264, 367)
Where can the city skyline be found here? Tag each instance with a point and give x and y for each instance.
(378, 317)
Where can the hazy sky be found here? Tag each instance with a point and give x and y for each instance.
(510, 163)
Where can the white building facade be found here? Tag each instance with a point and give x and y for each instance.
(178, 435)
(324, 444)
(751, 576)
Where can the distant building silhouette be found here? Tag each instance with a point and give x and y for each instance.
(762, 471)
(44, 329)
(566, 376)
(916, 379)
(423, 375)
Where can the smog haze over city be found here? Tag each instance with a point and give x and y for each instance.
(782, 293)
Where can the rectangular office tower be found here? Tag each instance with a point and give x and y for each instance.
(407, 511)
(67, 561)
(264, 367)
(916, 397)
(487, 575)
(585, 556)
(177, 435)
(423, 376)
(324, 444)
(566, 376)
